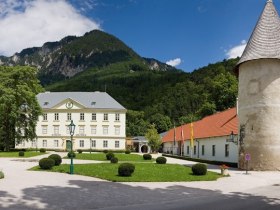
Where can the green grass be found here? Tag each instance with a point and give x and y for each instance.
(15, 154)
(121, 157)
(150, 172)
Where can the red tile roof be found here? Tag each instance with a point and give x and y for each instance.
(219, 124)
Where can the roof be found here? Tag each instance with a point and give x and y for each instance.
(96, 100)
(219, 124)
(265, 39)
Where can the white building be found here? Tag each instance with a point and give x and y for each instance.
(99, 119)
(212, 139)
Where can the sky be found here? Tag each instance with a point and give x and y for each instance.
(187, 34)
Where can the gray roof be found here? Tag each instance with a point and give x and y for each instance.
(97, 100)
(265, 39)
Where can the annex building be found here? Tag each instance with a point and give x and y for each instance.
(214, 138)
(99, 119)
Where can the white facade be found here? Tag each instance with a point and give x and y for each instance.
(96, 128)
(215, 149)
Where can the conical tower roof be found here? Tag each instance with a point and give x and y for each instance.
(265, 39)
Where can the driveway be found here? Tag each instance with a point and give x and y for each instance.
(23, 189)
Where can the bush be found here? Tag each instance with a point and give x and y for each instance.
(199, 169)
(114, 160)
(147, 157)
(46, 163)
(126, 169)
(105, 151)
(42, 150)
(1, 175)
(161, 160)
(71, 154)
(57, 159)
(21, 153)
(80, 151)
(110, 155)
(127, 151)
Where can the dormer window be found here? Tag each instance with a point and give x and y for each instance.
(93, 103)
(46, 103)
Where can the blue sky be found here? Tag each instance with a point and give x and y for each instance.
(195, 32)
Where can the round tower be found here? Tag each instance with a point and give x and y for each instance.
(259, 95)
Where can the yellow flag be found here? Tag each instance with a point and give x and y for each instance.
(191, 135)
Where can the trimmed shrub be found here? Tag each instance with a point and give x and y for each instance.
(42, 150)
(57, 159)
(46, 163)
(147, 157)
(110, 155)
(71, 154)
(161, 160)
(80, 151)
(114, 160)
(1, 175)
(199, 169)
(105, 151)
(126, 169)
(127, 151)
(21, 153)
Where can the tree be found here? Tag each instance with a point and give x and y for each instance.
(153, 138)
(162, 123)
(136, 125)
(19, 108)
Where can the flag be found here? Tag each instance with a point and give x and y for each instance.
(191, 135)
(182, 134)
(174, 135)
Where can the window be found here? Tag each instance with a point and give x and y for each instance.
(45, 116)
(227, 150)
(93, 116)
(105, 143)
(81, 130)
(44, 129)
(105, 117)
(213, 150)
(188, 149)
(117, 117)
(194, 150)
(117, 144)
(33, 143)
(69, 116)
(56, 116)
(67, 130)
(105, 130)
(44, 143)
(82, 143)
(93, 143)
(55, 143)
(117, 130)
(202, 149)
(56, 129)
(82, 116)
(93, 129)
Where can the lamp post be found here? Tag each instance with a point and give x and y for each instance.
(71, 130)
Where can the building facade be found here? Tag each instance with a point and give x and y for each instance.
(259, 89)
(214, 138)
(100, 122)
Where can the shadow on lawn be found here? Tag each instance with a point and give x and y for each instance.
(108, 195)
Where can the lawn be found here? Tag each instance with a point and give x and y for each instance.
(15, 154)
(121, 157)
(149, 172)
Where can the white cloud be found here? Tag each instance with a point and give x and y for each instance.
(236, 50)
(174, 62)
(30, 23)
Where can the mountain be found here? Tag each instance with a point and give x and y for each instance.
(160, 93)
(64, 59)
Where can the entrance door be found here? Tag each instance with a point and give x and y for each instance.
(68, 145)
(144, 149)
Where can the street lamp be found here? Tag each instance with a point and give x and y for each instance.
(71, 130)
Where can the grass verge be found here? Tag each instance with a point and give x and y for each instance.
(121, 157)
(15, 154)
(150, 172)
